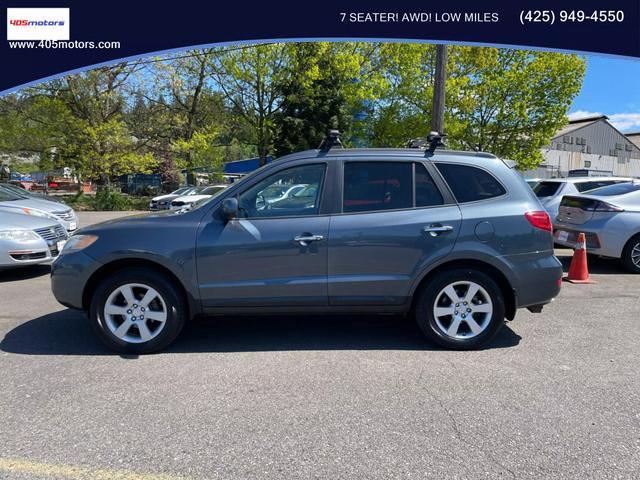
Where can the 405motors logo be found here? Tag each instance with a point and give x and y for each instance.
(37, 24)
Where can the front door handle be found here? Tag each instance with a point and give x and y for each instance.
(305, 239)
(436, 229)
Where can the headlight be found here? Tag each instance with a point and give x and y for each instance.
(77, 243)
(19, 235)
(38, 213)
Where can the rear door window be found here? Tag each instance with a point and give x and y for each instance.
(546, 189)
(372, 186)
(427, 194)
(470, 184)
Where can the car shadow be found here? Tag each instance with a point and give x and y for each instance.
(24, 273)
(68, 332)
(597, 265)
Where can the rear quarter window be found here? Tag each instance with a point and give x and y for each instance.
(470, 184)
(546, 189)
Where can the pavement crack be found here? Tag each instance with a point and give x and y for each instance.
(461, 437)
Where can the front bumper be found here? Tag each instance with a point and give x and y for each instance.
(69, 276)
(19, 254)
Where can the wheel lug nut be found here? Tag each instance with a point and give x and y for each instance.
(464, 316)
(457, 304)
(142, 308)
(456, 312)
(135, 305)
(465, 303)
(129, 311)
(468, 309)
(133, 318)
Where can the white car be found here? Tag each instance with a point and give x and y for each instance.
(163, 202)
(29, 240)
(275, 193)
(188, 201)
(551, 191)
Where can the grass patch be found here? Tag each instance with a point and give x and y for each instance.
(105, 200)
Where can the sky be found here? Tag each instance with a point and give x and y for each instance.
(611, 87)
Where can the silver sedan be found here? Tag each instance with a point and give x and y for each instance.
(28, 240)
(23, 203)
(610, 219)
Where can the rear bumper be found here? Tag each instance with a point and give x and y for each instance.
(605, 242)
(536, 278)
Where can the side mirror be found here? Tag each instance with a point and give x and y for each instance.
(230, 208)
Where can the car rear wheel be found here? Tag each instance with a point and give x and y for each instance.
(631, 254)
(461, 309)
(137, 311)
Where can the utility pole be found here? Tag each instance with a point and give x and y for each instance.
(437, 109)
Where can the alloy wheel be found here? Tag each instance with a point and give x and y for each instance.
(135, 313)
(463, 310)
(635, 255)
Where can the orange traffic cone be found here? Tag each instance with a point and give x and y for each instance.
(578, 270)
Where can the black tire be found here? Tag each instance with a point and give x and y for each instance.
(176, 311)
(430, 294)
(627, 259)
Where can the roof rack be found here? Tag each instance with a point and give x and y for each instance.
(433, 141)
(331, 140)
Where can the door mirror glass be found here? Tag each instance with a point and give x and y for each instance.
(230, 208)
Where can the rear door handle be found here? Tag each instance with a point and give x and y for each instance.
(305, 239)
(436, 229)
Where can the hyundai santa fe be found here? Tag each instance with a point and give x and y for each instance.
(456, 239)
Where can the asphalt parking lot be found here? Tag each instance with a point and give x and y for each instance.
(556, 396)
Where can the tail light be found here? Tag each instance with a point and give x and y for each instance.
(605, 207)
(539, 219)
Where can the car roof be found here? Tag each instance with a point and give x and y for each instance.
(417, 153)
(583, 179)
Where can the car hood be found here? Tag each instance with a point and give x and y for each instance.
(36, 204)
(140, 219)
(20, 221)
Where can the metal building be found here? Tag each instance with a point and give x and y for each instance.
(590, 143)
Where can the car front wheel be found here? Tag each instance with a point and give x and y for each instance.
(137, 311)
(461, 309)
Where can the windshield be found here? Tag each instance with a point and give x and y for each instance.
(546, 189)
(181, 191)
(15, 191)
(8, 196)
(617, 189)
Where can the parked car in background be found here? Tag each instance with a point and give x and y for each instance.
(21, 191)
(457, 239)
(163, 202)
(551, 191)
(532, 182)
(610, 219)
(15, 203)
(188, 201)
(29, 240)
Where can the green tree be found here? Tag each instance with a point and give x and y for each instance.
(508, 102)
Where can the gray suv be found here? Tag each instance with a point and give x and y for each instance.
(456, 239)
